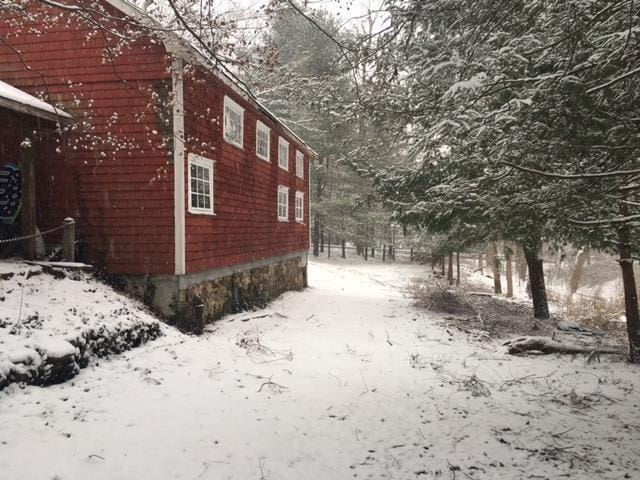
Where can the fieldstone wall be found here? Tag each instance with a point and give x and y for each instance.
(191, 301)
(209, 300)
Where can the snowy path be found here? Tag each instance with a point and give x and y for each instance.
(364, 386)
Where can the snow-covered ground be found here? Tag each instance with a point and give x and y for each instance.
(343, 380)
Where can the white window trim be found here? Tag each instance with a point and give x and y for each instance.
(282, 188)
(283, 142)
(299, 171)
(262, 127)
(233, 106)
(301, 196)
(206, 163)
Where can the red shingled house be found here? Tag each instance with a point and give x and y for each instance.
(181, 184)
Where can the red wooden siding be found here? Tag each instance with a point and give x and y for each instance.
(113, 173)
(245, 226)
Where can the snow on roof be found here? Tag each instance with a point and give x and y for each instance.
(180, 46)
(19, 101)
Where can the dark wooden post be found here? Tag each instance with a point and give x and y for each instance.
(28, 207)
(69, 240)
(344, 253)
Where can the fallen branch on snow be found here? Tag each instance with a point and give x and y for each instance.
(546, 346)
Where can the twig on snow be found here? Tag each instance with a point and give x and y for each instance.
(261, 467)
(388, 340)
(20, 309)
(364, 382)
(276, 387)
(206, 467)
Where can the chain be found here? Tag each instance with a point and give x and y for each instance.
(29, 237)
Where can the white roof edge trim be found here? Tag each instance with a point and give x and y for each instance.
(18, 100)
(178, 46)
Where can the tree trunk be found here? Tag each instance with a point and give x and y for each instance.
(390, 252)
(521, 266)
(344, 249)
(630, 291)
(489, 254)
(411, 255)
(450, 271)
(495, 267)
(558, 265)
(316, 236)
(322, 240)
(373, 252)
(329, 247)
(366, 252)
(457, 269)
(480, 265)
(508, 253)
(442, 265)
(576, 275)
(384, 252)
(536, 282)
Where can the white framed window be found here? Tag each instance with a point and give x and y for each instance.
(283, 203)
(299, 164)
(299, 207)
(263, 140)
(283, 153)
(200, 185)
(233, 122)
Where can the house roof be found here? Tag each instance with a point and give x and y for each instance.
(177, 45)
(17, 100)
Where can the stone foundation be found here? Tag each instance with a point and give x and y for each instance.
(191, 301)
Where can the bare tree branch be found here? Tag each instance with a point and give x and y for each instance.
(578, 176)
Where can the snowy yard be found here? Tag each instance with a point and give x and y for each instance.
(343, 380)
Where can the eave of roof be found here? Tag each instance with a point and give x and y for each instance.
(19, 101)
(180, 47)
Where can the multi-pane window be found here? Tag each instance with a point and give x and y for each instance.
(262, 140)
(283, 153)
(283, 203)
(299, 206)
(299, 164)
(200, 184)
(233, 122)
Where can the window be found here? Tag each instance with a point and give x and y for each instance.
(299, 164)
(233, 122)
(263, 143)
(283, 203)
(299, 207)
(283, 153)
(200, 185)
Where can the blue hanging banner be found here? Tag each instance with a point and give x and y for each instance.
(10, 193)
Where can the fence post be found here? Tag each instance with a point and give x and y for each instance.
(69, 240)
